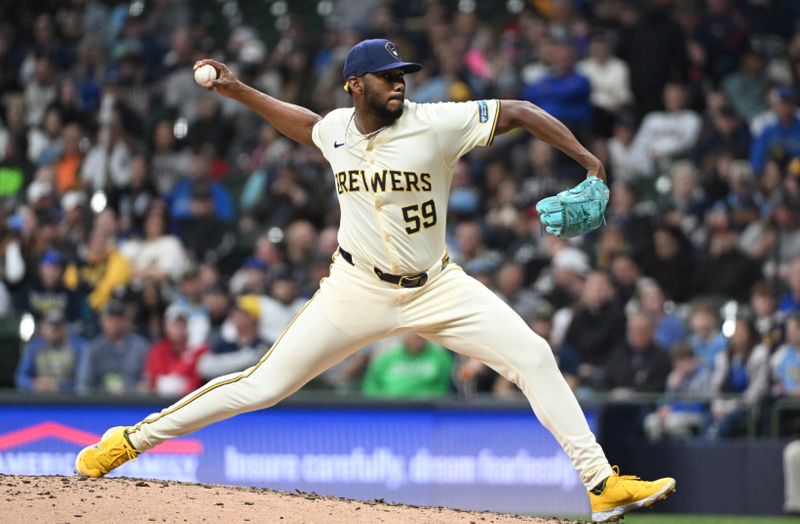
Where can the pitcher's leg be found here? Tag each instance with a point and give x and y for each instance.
(308, 346)
(472, 320)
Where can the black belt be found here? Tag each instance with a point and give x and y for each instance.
(408, 281)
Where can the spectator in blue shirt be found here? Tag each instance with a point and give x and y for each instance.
(742, 369)
(564, 93)
(681, 418)
(706, 339)
(181, 196)
(669, 328)
(50, 359)
(780, 140)
(790, 302)
(785, 363)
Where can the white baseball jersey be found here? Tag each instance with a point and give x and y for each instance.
(393, 186)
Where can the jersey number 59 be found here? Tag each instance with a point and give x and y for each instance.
(419, 216)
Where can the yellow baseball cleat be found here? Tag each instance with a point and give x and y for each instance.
(620, 494)
(113, 450)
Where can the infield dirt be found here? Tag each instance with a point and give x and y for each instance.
(56, 499)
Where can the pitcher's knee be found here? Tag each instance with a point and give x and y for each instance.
(267, 395)
(268, 398)
(531, 359)
(538, 354)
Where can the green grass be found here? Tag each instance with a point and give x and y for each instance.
(659, 518)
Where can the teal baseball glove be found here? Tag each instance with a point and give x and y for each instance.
(575, 211)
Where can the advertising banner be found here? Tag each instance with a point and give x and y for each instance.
(482, 460)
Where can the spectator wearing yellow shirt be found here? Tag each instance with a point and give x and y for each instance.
(99, 269)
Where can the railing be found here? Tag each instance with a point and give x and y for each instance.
(781, 425)
(776, 419)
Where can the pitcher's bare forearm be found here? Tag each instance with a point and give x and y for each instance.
(291, 120)
(538, 122)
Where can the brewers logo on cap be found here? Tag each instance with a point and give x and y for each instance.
(393, 50)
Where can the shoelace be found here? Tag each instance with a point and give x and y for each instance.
(615, 469)
(115, 453)
(631, 477)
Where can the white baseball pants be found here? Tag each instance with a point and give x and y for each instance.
(353, 308)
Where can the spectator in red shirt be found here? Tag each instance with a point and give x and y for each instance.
(171, 367)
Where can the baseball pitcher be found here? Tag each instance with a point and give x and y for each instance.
(392, 161)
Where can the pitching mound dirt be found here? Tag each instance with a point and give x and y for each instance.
(56, 499)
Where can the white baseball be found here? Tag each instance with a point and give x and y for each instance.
(204, 74)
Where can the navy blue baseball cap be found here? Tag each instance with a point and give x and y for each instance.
(52, 257)
(374, 56)
(785, 93)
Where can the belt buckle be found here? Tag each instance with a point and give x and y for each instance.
(413, 281)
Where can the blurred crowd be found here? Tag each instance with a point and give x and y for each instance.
(155, 235)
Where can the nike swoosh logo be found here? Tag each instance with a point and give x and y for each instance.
(337, 144)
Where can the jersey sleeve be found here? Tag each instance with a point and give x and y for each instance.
(316, 134)
(327, 129)
(462, 126)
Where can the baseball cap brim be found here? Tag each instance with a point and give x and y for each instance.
(406, 67)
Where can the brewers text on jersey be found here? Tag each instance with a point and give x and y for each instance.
(382, 181)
